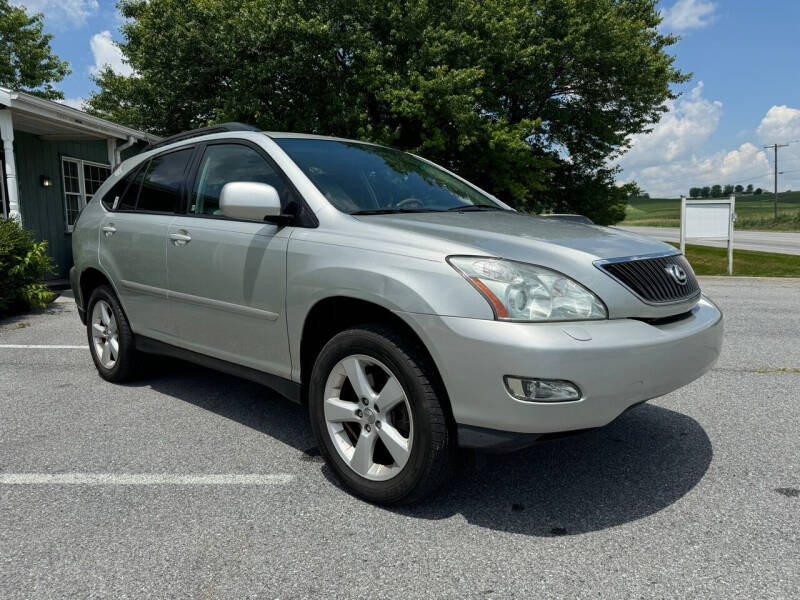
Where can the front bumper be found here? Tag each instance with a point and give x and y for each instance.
(624, 362)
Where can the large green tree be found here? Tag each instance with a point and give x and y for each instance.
(27, 62)
(531, 99)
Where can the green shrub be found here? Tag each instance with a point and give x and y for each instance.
(24, 263)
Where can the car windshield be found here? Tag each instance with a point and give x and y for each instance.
(366, 179)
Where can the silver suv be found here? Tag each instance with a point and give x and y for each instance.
(411, 311)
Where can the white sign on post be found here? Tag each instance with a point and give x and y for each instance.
(708, 220)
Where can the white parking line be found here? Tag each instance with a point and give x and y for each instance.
(142, 479)
(43, 347)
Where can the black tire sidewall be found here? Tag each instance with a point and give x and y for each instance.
(372, 344)
(124, 358)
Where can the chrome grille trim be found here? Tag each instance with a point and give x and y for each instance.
(646, 277)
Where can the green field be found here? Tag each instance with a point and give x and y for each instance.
(754, 212)
(706, 260)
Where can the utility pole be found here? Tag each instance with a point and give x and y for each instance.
(775, 148)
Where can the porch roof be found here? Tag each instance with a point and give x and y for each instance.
(54, 121)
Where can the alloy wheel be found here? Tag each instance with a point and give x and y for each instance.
(368, 417)
(105, 336)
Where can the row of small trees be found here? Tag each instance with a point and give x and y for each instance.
(718, 191)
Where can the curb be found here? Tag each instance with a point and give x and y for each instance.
(743, 279)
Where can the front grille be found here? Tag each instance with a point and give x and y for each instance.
(650, 279)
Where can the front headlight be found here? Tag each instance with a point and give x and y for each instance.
(522, 292)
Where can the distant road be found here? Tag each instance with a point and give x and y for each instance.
(762, 241)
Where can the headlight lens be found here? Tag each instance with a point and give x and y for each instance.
(522, 292)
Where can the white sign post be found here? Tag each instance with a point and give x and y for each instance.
(708, 220)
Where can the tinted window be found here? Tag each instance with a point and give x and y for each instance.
(224, 163)
(131, 194)
(163, 181)
(362, 177)
(115, 193)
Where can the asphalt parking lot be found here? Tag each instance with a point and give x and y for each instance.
(194, 484)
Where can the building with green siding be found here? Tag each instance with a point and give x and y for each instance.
(53, 158)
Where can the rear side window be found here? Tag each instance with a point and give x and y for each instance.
(162, 183)
(113, 199)
(131, 195)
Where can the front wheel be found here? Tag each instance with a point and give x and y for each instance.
(377, 417)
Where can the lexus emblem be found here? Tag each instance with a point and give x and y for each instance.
(677, 273)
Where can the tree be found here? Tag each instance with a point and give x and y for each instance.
(739, 189)
(705, 192)
(749, 188)
(531, 99)
(758, 191)
(573, 190)
(727, 190)
(695, 192)
(27, 62)
(716, 191)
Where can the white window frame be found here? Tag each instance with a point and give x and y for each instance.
(83, 200)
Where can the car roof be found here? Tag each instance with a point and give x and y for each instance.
(313, 136)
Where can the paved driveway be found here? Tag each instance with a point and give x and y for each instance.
(191, 484)
(762, 241)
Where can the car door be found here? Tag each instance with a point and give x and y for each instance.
(227, 277)
(133, 240)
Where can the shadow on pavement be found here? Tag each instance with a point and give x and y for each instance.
(638, 465)
(237, 399)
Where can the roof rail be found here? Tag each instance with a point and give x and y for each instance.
(193, 133)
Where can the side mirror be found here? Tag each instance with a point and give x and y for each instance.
(250, 201)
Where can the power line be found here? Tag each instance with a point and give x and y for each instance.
(790, 159)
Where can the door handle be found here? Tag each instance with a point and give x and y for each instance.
(109, 230)
(180, 238)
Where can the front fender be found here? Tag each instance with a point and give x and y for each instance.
(397, 282)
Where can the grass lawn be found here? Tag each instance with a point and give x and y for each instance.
(706, 260)
(754, 212)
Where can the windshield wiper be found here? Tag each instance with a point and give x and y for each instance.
(475, 207)
(391, 211)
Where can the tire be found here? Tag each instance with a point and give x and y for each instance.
(415, 427)
(119, 365)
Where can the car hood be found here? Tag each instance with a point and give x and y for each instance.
(520, 236)
(563, 246)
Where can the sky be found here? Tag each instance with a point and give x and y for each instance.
(744, 93)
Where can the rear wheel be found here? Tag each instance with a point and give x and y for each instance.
(377, 418)
(110, 337)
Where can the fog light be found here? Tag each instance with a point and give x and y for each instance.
(541, 390)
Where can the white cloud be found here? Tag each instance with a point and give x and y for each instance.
(669, 160)
(106, 52)
(61, 13)
(779, 125)
(73, 102)
(684, 128)
(688, 14)
(747, 164)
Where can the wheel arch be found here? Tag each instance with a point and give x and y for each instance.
(91, 278)
(335, 314)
